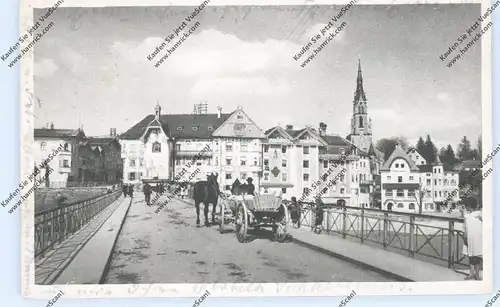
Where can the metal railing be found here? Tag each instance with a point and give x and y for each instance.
(55, 225)
(417, 235)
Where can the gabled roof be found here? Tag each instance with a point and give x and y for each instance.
(180, 125)
(280, 130)
(57, 133)
(398, 153)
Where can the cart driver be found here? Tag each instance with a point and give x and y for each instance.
(250, 186)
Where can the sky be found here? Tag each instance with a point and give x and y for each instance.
(91, 68)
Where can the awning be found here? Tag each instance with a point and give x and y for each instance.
(395, 186)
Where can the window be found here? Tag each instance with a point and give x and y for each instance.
(342, 190)
(342, 151)
(400, 205)
(239, 116)
(131, 176)
(266, 164)
(156, 147)
(388, 193)
(266, 176)
(65, 163)
(283, 163)
(243, 161)
(284, 177)
(177, 162)
(440, 194)
(305, 164)
(361, 122)
(388, 177)
(43, 145)
(266, 148)
(305, 150)
(341, 178)
(411, 192)
(411, 178)
(435, 182)
(428, 182)
(229, 176)
(131, 162)
(283, 190)
(283, 150)
(198, 163)
(435, 171)
(210, 127)
(66, 147)
(227, 187)
(229, 147)
(402, 165)
(243, 176)
(400, 193)
(435, 194)
(428, 194)
(400, 178)
(411, 206)
(195, 128)
(397, 165)
(445, 182)
(244, 147)
(255, 162)
(229, 161)
(216, 160)
(179, 128)
(325, 164)
(305, 177)
(177, 147)
(453, 182)
(439, 181)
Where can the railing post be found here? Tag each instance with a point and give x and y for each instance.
(411, 238)
(311, 212)
(384, 234)
(344, 221)
(328, 220)
(451, 231)
(362, 224)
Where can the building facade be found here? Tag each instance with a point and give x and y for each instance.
(108, 150)
(407, 187)
(46, 141)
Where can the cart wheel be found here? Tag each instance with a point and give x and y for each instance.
(221, 225)
(280, 230)
(241, 223)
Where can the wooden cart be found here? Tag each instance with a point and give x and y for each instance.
(261, 210)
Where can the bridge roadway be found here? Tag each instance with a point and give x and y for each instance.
(167, 248)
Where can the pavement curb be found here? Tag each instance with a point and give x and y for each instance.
(110, 256)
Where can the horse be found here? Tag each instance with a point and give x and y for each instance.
(206, 192)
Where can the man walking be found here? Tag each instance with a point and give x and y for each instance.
(131, 190)
(147, 193)
(473, 241)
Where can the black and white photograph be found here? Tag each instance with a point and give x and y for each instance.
(310, 149)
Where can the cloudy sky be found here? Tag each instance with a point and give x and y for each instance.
(91, 68)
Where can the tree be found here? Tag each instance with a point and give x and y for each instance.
(464, 151)
(479, 147)
(420, 145)
(387, 145)
(429, 151)
(447, 155)
(420, 195)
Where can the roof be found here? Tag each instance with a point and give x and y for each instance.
(468, 164)
(184, 121)
(101, 140)
(399, 153)
(426, 168)
(56, 133)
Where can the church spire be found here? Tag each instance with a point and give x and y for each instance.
(359, 95)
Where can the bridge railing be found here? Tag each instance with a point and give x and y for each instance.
(417, 235)
(55, 225)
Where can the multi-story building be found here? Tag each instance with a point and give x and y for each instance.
(407, 186)
(187, 147)
(108, 152)
(47, 140)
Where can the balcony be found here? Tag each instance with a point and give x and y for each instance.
(192, 153)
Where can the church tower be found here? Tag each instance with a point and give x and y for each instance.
(361, 125)
(157, 111)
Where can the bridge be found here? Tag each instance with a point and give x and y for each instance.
(109, 239)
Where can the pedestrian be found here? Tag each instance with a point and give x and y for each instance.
(147, 193)
(250, 186)
(61, 199)
(473, 241)
(318, 210)
(295, 212)
(131, 190)
(125, 190)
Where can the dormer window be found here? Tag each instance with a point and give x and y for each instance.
(210, 127)
(195, 128)
(156, 147)
(180, 128)
(239, 117)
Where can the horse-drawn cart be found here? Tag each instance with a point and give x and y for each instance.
(247, 211)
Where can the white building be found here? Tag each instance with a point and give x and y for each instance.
(188, 147)
(46, 142)
(406, 186)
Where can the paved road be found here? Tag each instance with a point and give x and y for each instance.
(168, 248)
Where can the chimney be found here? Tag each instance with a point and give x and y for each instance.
(52, 126)
(289, 127)
(322, 128)
(112, 131)
(219, 112)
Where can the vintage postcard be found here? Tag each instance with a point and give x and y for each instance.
(217, 148)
